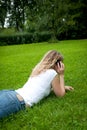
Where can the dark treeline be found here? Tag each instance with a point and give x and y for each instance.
(62, 19)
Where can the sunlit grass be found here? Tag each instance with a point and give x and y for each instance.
(67, 113)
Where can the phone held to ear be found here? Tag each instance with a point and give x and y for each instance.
(58, 62)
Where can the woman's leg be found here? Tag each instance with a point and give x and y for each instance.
(9, 103)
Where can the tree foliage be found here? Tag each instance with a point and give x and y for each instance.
(63, 19)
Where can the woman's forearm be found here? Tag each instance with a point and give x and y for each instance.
(62, 85)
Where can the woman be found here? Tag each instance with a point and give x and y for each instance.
(47, 75)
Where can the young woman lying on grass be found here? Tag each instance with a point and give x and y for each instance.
(47, 75)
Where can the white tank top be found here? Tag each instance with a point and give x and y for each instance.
(38, 87)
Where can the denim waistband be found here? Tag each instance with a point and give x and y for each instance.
(21, 102)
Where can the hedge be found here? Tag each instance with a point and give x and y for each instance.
(24, 38)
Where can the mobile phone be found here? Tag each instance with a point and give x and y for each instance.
(58, 61)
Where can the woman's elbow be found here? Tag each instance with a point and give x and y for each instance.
(61, 94)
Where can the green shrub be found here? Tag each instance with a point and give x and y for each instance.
(21, 38)
(42, 36)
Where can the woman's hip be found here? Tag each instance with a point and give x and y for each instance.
(10, 102)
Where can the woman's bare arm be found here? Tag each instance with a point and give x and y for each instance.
(58, 85)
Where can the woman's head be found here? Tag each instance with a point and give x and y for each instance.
(51, 57)
(48, 62)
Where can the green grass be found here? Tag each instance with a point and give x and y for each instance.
(67, 113)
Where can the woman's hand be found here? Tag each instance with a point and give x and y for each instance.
(60, 68)
(69, 88)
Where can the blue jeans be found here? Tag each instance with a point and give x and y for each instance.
(9, 103)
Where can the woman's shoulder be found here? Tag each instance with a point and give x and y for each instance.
(51, 72)
(47, 73)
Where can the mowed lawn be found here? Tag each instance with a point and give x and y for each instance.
(52, 113)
